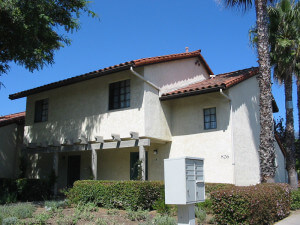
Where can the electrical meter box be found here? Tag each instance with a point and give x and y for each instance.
(184, 180)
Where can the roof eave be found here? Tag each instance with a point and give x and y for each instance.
(68, 81)
(191, 93)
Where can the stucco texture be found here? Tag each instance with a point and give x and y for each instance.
(11, 137)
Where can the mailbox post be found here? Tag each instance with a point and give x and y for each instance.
(184, 186)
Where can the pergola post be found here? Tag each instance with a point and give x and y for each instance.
(55, 168)
(142, 158)
(94, 163)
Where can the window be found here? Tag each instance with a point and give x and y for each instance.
(119, 95)
(210, 118)
(41, 110)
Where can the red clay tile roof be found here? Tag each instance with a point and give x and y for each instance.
(112, 69)
(221, 81)
(18, 118)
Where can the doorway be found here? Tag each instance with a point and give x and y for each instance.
(73, 169)
(134, 163)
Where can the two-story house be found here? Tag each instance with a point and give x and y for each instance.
(106, 123)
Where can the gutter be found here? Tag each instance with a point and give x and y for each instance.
(231, 127)
(190, 93)
(142, 78)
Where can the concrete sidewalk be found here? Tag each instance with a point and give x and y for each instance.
(292, 219)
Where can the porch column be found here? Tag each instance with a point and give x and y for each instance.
(142, 158)
(94, 163)
(55, 168)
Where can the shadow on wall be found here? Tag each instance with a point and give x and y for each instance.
(8, 142)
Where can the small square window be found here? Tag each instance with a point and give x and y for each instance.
(210, 118)
(119, 95)
(41, 111)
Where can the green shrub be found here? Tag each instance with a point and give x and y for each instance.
(41, 218)
(200, 215)
(32, 189)
(163, 220)
(160, 206)
(211, 187)
(295, 200)
(259, 204)
(116, 194)
(20, 211)
(10, 221)
(206, 205)
(137, 215)
(53, 205)
(24, 189)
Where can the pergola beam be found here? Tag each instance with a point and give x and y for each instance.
(89, 147)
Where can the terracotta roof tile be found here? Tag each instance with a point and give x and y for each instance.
(18, 118)
(112, 69)
(223, 81)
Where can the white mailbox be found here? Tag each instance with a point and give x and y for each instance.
(184, 180)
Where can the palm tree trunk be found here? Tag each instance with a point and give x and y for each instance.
(266, 147)
(290, 136)
(298, 103)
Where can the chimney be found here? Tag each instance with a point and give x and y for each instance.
(186, 49)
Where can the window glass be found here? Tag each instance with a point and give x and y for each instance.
(41, 110)
(210, 118)
(119, 95)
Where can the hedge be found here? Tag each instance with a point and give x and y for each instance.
(211, 187)
(295, 199)
(12, 190)
(259, 204)
(116, 194)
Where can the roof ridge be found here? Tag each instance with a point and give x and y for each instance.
(111, 69)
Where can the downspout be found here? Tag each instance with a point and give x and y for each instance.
(231, 127)
(142, 78)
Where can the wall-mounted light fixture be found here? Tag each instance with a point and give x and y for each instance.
(155, 152)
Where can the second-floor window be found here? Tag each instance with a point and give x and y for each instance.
(41, 110)
(119, 95)
(210, 118)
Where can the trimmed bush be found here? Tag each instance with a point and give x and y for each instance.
(23, 189)
(116, 194)
(295, 200)
(211, 187)
(259, 204)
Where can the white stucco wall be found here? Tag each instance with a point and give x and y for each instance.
(246, 130)
(114, 164)
(39, 166)
(190, 138)
(175, 74)
(82, 109)
(281, 172)
(10, 139)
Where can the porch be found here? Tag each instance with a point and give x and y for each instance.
(128, 158)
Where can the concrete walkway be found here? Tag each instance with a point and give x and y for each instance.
(292, 219)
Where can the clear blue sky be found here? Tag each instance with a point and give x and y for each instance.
(135, 29)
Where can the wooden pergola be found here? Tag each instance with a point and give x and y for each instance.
(93, 145)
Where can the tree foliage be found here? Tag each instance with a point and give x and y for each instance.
(29, 30)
